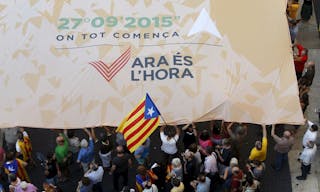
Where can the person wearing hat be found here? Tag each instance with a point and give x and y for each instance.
(86, 153)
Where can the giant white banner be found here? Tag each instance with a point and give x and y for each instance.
(74, 63)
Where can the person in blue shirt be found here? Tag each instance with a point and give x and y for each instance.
(142, 153)
(86, 153)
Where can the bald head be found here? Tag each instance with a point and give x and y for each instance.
(60, 140)
(287, 134)
(310, 64)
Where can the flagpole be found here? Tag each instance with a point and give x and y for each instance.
(163, 120)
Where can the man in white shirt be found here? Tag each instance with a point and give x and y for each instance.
(306, 159)
(210, 162)
(95, 174)
(310, 134)
(211, 167)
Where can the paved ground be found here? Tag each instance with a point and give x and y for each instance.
(309, 37)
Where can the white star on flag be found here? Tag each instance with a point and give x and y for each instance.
(150, 111)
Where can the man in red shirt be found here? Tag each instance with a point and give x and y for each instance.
(300, 59)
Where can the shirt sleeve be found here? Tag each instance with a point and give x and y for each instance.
(18, 147)
(162, 136)
(91, 144)
(25, 134)
(264, 143)
(65, 140)
(79, 155)
(251, 154)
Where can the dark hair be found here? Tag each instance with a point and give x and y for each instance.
(10, 156)
(209, 150)
(85, 181)
(314, 127)
(49, 155)
(142, 170)
(249, 179)
(169, 131)
(204, 135)
(193, 147)
(20, 135)
(175, 182)
(12, 177)
(70, 133)
(202, 177)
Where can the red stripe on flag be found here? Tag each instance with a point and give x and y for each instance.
(138, 129)
(144, 134)
(127, 128)
(137, 109)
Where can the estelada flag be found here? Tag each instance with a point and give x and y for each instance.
(140, 123)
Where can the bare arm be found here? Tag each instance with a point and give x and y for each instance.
(225, 175)
(112, 169)
(185, 127)
(162, 127)
(88, 132)
(229, 130)
(93, 134)
(275, 137)
(178, 130)
(194, 129)
(264, 130)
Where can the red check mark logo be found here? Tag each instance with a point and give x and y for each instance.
(108, 72)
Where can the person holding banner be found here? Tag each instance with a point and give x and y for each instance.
(169, 137)
(86, 153)
(61, 154)
(282, 147)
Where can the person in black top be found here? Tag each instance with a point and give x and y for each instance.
(120, 167)
(51, 169)
(105, 150)
(190, 135)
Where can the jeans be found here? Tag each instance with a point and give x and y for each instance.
(280, 158)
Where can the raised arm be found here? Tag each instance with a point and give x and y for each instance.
(194, 128)
(275, 137)
(229, 130)
(162, 128)
(177, 130)
(88, 133)
(264, 130)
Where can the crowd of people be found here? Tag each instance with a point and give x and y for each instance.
(189, 159)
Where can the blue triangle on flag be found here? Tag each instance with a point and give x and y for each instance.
(151, 111)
